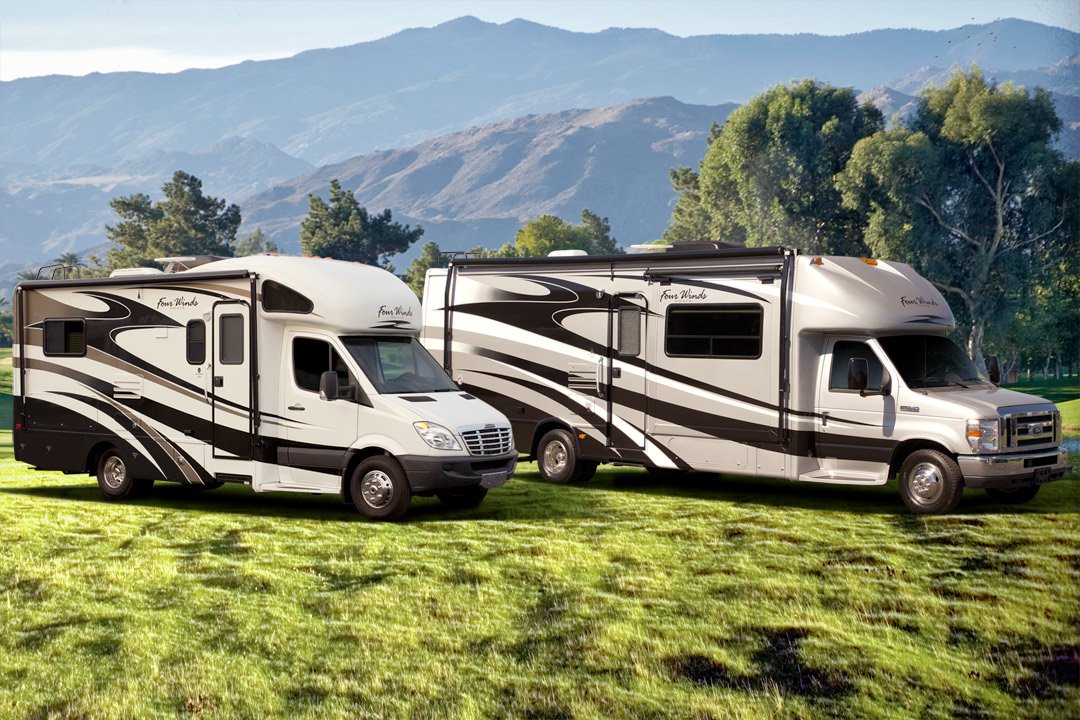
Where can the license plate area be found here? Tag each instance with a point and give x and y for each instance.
(1042, 475)
(493, 479)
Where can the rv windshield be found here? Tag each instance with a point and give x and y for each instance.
(398, 365)
(931, 361)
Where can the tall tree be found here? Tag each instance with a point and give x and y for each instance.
(254, 243)
(68, 259)
(547, 233)
(690, 222)
(184, 222)
(769, 174)
(430, 256)
(967, 194)
(344, 230)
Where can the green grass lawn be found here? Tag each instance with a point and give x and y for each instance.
(628, 596)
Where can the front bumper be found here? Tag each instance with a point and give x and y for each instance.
(428, 474)
(1008, 471)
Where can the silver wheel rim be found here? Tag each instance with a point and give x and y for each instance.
(555, 457)
(114, 473)
(927, 484)
(377, 489)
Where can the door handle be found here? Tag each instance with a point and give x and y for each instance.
(824, 419)
(616, 372)
(297, 406)
(219, 381)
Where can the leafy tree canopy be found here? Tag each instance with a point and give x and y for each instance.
(185, 222)
(547, 233)
(344, 230)
(254, 243)
(971, 194)
(768, 176)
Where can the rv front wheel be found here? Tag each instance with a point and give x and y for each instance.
(930, 482)
(379, 489)
(558, 460)
(113, 477)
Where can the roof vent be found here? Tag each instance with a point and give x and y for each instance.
(131, 272)
(567, 253)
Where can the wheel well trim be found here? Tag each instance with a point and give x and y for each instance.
(904, 450)
(547, 425)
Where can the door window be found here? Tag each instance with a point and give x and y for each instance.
(843, 352)
(311, 358)
(629, 337)
(231, 338)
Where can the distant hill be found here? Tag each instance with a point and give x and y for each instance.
(328, 105)
(68, 145)
(477, 186)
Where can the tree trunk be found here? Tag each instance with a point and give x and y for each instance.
(975, 341)
(1057, 370)
(1046, 368)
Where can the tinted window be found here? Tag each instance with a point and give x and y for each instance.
(629, 331)
(842, 354)
(722, 331)
(231, 338)
(196, 342)
(929, 361)
(398, 365)
(278, 298)
(65, 337)
(313, 357)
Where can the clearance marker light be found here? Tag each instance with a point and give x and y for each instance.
(816, 261)
(581, 436)
(869, 261)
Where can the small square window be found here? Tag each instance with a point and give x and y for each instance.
(65, 337)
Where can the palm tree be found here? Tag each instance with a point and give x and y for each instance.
(68, 259)
(27, 274)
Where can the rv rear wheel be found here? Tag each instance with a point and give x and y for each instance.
(930, 482)
(558, 460)
(379, 489)
(1013, 497)
(113, 477)
(462, 497)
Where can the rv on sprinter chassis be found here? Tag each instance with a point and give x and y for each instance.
(736, 360)
(282, 373)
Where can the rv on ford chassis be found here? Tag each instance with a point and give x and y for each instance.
(282, 373)
(746, 361)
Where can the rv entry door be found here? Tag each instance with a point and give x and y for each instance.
(230, 392)
(624, 371)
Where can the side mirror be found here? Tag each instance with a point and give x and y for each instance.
(993, 368)
(328, 389)
(858, 370)
(886, 382)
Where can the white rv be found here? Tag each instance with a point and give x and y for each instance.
(283, 373)
(746, 361)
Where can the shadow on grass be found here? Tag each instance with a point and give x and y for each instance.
(515, 502)
(770, 492)
(530, 498)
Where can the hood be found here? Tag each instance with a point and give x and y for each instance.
(453, 409)
(983, 401)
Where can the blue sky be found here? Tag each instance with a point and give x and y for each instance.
(75, 37)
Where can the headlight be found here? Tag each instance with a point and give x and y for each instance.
(436, 436)
(983, 435)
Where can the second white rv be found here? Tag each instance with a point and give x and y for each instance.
(737, 360)
(282, 373)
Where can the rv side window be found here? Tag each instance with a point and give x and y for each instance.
(629, 331)
(231, 339)
(65, 337)
(278, 298)
(717, 331)
(196, 342)
(311, 358)
(842, 353)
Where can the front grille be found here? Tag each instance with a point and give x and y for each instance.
(1032, 429)
(488, 441)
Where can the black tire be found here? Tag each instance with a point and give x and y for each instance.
(558, 460)
(1013, 497)
(930, 482)
(113, 477)
(462, 497)
(379, 489)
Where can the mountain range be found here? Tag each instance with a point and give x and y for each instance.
(467, 127)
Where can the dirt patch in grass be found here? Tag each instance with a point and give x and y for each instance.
(1038, 672)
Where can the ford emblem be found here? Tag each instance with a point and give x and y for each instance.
(1035, 429)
